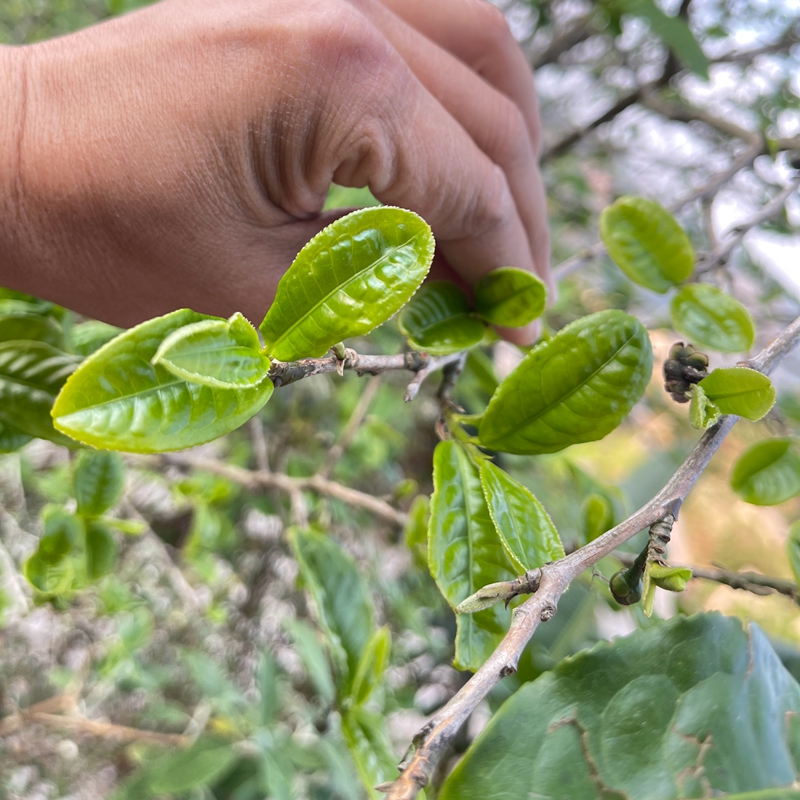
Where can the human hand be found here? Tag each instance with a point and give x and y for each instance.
(180, 156)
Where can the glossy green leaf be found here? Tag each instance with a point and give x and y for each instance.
(523, 525)
(598, 516)
(34, 327)
(215, 352)
(365, 734)
(344, 607)
(767, 473)
(437, 320)
(510, 297)
(205, 761)
(99, 481)
(740, 391)
(12, 439)
(702, 412)
(711, 318)
(647, 243)
(671, 579)
(692, 707)
(31, 375)
(465, 552)
(347, 280)
(793, 550)
(371, 666)
(576, 387)
(100, 550)
(90, 336)
(674, 31)
(118, 400)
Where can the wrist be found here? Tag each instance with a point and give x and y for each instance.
(13, 101)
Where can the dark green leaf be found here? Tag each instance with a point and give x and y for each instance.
(510, 297)
(576, 387)
(347, 280)
(793, 550)
(11, 439)
(647, 243)
(33, 327)
(767, 473)
(90, 336)
(118, 400)
(524, 527)
(31, 375)
(101, 550)
(465, 552)
(437, 320)
(675, 33)
(99, 481)
(215, 352)
(344, 607)
(739, 390)
(206, 761)
(711, 318)
(372, 665)
(686, 708)
(702, 412)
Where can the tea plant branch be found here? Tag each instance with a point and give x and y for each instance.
(748, 581)
(721, 254)
(255, 481)
(565, 40)
(435, 737)
(259, 443)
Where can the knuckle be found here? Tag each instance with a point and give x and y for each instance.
(512, 141)
(492, 27)
(493, 208)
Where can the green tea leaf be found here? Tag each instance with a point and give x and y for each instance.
(674, 31)
(740, 391)
(702, 412)
(204, 762)
(49, 577)
(510, 297)
(371, 666)
(598, 516)
(51, 568)
(31, 375)
(576, 387)
(711, 318)
(100, 549)
(215, 352)
(306, 642)
(671, 579)
(344, 607)
(99, 481)
(119, 400)
(437, 320)
(793, 550)
(767, 473)
(691, 707)
(33, 327)
(347, 280)
(365, 734)
(11, 439)
(647, 243)
(90, 336)
(465, 552)
(523, 525)
(416, 529)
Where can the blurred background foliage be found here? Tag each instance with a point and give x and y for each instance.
(204, 625)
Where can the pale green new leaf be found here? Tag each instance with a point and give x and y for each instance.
(576, 387)
(347, 280)
(344, 607)
(523, 525)
(437, 320)
(371, 666)
(647, 243)
(740, 391)
(119, 400)
(638, 715)
(99, 481)
(767, 473)
(711, 318)
(465, 552)
(510, 297)
(702, 412)
(31, 375)
(215, 352)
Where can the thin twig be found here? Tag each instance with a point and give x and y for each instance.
(748, 581)
(436, 363)
(435, 737)
(259, 443)
(353, 424)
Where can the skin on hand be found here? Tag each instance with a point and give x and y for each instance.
(181, 155)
